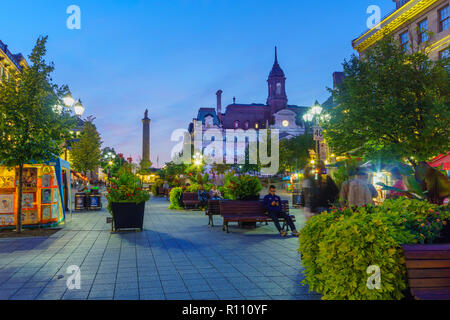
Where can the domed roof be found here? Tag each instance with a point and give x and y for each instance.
(276, 69)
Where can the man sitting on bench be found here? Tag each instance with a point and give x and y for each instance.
(272, 203)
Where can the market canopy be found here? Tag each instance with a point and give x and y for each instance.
(441, 161)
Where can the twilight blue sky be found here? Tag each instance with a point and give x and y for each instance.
(171, 56)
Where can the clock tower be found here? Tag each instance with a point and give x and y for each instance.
(277, 99)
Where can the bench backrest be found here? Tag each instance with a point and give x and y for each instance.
(428, 268)
(214, 206)
(190, 196)
(241, 208)
(235, 207)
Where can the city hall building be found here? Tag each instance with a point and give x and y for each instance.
(276, 113)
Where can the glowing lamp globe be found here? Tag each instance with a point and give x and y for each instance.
(68, 100)
(78, 108)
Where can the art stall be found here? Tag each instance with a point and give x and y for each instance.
(45, 197)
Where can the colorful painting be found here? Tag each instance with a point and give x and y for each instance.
(7, 203)
(46, 213)
(55, 211)
(7, 220)
(46, 196)
(31, 217)
(29, 178)
(46, 181)
(55, 181)
(7, 178)
(55, 198)
(28, 201)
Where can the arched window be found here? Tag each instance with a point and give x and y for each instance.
(278, 88)
(257, 125)
(236, 124)
(246, 125)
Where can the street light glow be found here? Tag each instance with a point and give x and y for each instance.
(78, 108)
(68, 100)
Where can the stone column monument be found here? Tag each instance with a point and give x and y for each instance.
(146, 137)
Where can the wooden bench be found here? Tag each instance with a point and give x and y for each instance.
(428, 269)
(249, 211)
(213, 209)
(190, 199)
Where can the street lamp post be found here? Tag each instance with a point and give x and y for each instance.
(313, 115)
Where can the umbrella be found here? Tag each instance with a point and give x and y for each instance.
(442, 160)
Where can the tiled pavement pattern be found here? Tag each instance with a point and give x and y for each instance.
(177, 257)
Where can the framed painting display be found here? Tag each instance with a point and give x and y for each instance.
(7, 220)
(55, 198)
(46, 196)
(54, 211)
(28, 201)
(30, 217)
(29, 178)
(46, 212)
(7, 203)
(7, 178)
(46, 181)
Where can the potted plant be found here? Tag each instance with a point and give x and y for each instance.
(126, 201)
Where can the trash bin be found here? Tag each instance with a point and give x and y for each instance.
(80, 201)
(296, 200)
(95, 202)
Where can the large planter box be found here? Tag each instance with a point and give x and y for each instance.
(128, 215)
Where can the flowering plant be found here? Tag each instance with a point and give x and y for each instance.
(126, 188)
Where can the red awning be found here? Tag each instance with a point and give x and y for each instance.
(441, 161)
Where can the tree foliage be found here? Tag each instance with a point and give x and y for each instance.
(294, 153)
(30, 128)
(392, 105)
(86, 153)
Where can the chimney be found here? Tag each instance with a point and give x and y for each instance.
(338, 77)
(219, 104)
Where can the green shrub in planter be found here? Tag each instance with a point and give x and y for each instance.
(176, 202)
(314, 230)
(337, 247)
(349, 247)
(243, 187)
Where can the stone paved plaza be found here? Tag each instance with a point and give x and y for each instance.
(177, 257)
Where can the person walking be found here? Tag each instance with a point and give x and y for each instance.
(360, 193)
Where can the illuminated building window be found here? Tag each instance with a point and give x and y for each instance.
(236, 124)
(285, 123)
(404, 41)
(444, 18)
(423, 31)
(257, 125)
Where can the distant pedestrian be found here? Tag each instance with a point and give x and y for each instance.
(398, 184)
(360, 193)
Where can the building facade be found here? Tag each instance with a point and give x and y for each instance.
(417, 24)
(276, 113)
(10, 62)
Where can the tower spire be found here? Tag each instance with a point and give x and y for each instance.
(276, 55)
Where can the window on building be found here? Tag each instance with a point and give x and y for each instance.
(278, 88)
(444, 54)
(257, 125)
(404, 40)
(236, 124)
(246, 125)
(444, 18)
(423, 31)
(1, 72)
